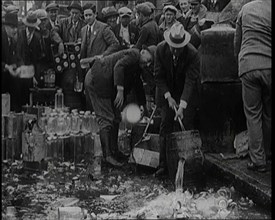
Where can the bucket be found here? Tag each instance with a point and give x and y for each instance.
(186, 145)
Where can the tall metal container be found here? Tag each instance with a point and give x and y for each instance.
(218, 63)
(221, 111)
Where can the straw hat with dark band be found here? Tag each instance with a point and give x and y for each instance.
(176, 36)
(31, 20)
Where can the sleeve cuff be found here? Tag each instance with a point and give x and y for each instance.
(167, 94)
(120, 88)
(183, 104)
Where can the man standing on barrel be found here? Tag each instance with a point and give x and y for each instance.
(177, 68)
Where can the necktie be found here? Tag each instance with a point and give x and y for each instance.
(88, 34)
(29, 37)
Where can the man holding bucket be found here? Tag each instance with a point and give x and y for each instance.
(177, 68)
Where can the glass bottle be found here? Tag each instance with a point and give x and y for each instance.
(50, 128)
(75, 123)
(94, 124)
(59, 100)
(42, 123)
(61, 125)
(78, 84)
(86, 123)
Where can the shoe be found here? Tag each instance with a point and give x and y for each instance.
(258, 168)
(113, 161)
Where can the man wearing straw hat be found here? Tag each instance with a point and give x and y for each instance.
(177, 68)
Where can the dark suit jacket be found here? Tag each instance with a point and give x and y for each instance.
(8, 57)
(64, 29)
(149, 34)
(179, 81)
(120, 68)
(102, 41)
(133, 32)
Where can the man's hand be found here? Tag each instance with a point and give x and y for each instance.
(119, 99)
(12, 69)
(61, 48)
(179, 113)
(35, 83)
(171, 102)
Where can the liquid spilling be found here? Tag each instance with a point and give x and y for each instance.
(180, 175)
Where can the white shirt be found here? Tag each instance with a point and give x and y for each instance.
(124, 33)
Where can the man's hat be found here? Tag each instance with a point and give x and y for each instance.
(152, 49)
(170, 7)
(11, 19)
(109, 11)
(117, 1)
(144, 9)
(41, 14)
(75, 5)
(31, 20)
(89, 6)
(125, 11)
(52, 6)
(12, 9)
(176, 36)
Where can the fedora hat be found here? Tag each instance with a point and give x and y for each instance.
(176, 36)
(41, 14)
(75, 5)
(31, 20)
(52, 6)
(11, 19)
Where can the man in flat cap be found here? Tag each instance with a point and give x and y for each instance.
(170, 13)
(126, 32)
(110, 16)
(177, 67)
(69, 28)
(149, 30)
(52, 9)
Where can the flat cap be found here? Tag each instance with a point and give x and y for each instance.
(109, 11)
(144, 9)
(170, 7)
(52, 6)
(125, 11)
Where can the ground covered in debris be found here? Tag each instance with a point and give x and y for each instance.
(123, 193)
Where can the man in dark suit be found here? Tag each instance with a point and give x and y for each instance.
(97, 37)
(107, 84)
(126, 32)
(177, 68)
(69, 28)
(9, 58)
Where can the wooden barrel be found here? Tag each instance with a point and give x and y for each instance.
(218, 63)
(186, 145)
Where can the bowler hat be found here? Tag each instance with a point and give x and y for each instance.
(74, 5)
(52, 6)
(176, 36)
(31, 20)
(144, 9)
(11, 19)
(109, 11)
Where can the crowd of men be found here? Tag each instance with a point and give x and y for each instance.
(120, 51)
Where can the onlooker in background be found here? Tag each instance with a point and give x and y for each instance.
(52, 10)
(48, 37)
(183, 7)
(149, 30)
(253, 48)
(97, 40)
(29, 52)
(126, 32)
(107, 84)
(10, 82)
(169, 12)
(119, 4)
(110, 16)
(177, 67)
(69, 28)
(195, 18)
(159, 18)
